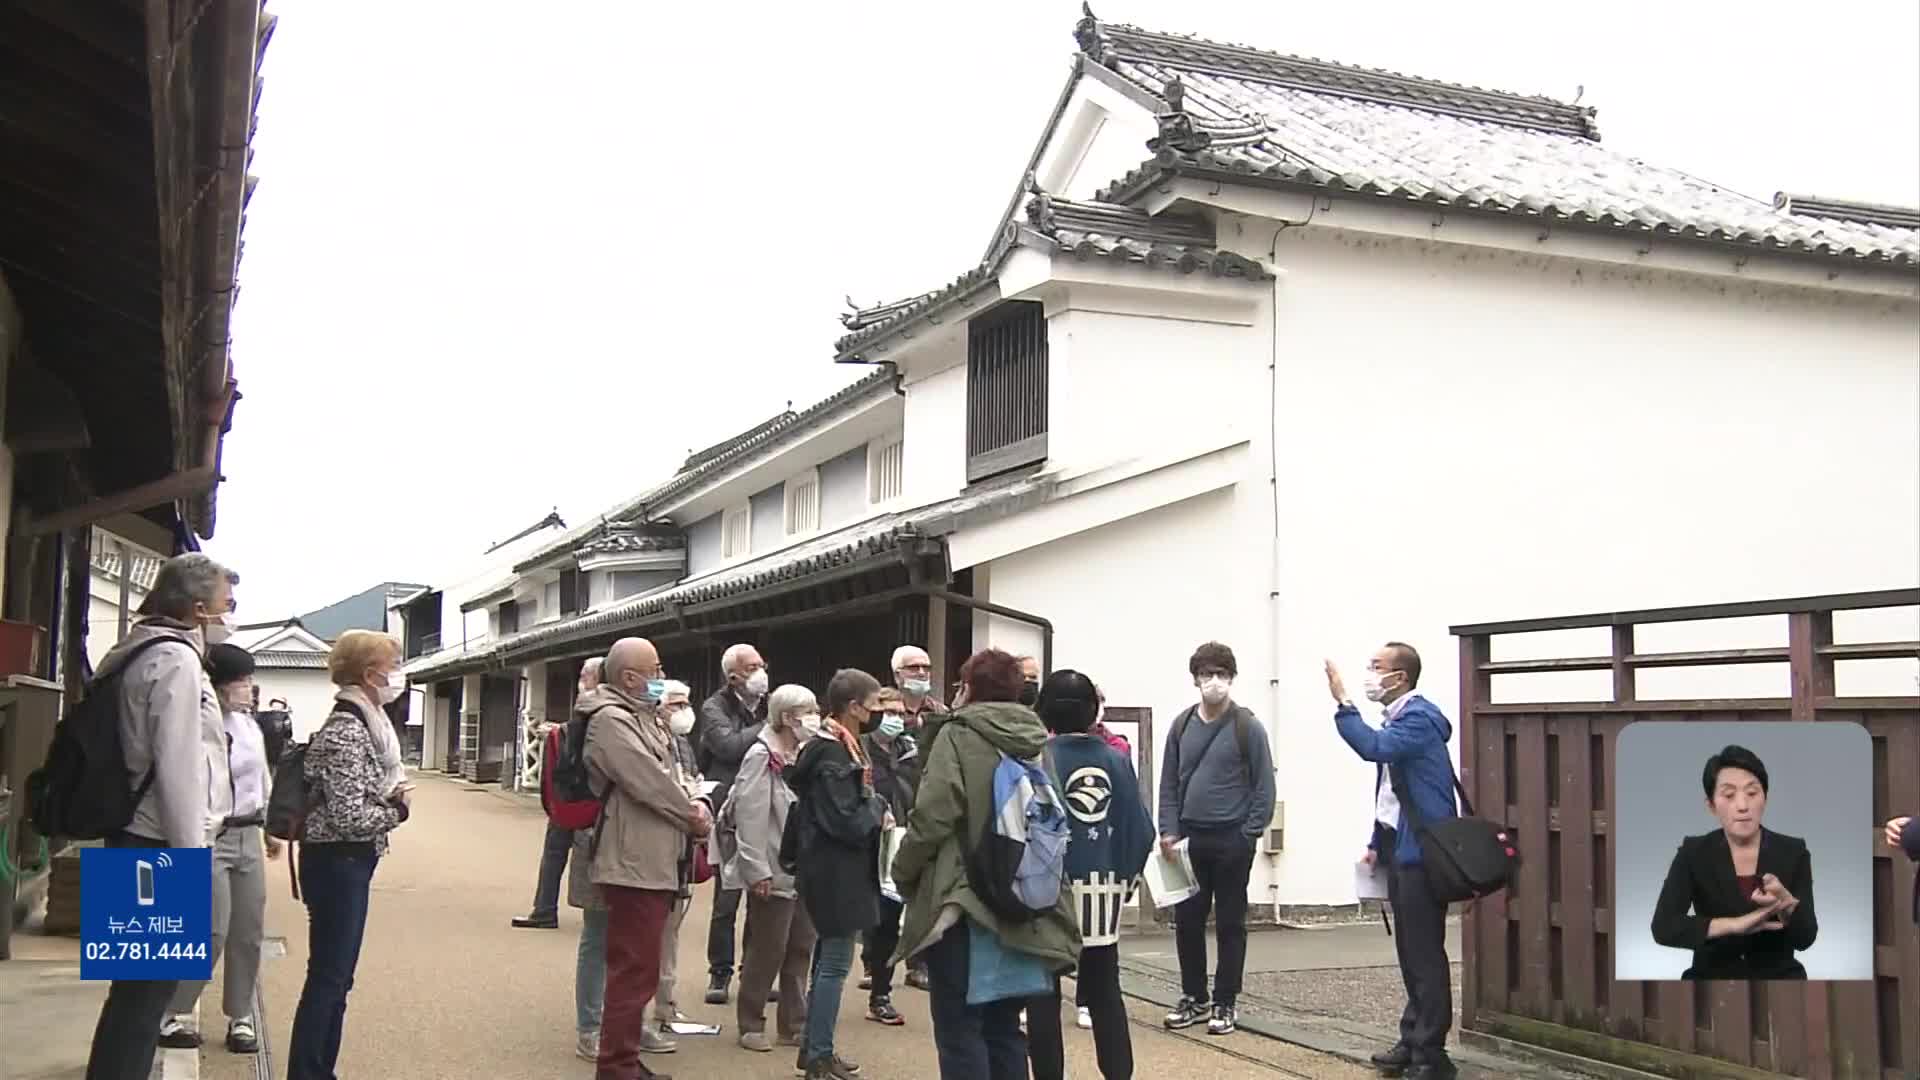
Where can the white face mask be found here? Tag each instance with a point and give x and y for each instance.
(218, 629)
(680, 721)
(810, 725)
(756, 684)
(396, 686)
(1213, 689)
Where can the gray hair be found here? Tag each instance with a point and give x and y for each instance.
(901, 654)
(183, 581)
(675, 686)
(592, 667)
(730, 660)
(791, 698)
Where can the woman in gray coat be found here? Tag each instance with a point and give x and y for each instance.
(779, 936)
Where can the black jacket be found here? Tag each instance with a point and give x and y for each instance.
(721, 735)
(832, 841)
(1701, 881)
(896, 772)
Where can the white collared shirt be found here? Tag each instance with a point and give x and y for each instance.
(247, 760)
(1386, 805)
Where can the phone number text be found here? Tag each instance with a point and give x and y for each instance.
(141, 950)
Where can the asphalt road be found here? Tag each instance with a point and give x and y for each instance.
(446, 988)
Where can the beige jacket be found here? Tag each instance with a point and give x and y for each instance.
(644, 828)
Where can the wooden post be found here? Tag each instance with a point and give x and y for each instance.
(937, 644)
(1476, 689)
(126, 584)
(1623, 684)
(1807, 633)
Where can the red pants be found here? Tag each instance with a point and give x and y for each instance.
(636, 919)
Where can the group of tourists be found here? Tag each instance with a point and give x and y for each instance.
(786, 800)
(200, 770)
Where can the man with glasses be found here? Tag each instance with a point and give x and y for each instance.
(923, 712)
(895, 757)
(729, 723)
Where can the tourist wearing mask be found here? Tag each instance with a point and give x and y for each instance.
(1112, 837)
(728, 724)
(1216, 792)
(946, 922)
(913, 676)
(677, 713)
(895, 758)
(1030, 674)
(240, 849)
(1413, 742)
(171, 732)
(640, 841)
(779, 937)
(354, 801)
(833, 849)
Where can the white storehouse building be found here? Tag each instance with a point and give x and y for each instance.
(1300, 357)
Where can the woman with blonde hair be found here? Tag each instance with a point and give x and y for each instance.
(357, 794)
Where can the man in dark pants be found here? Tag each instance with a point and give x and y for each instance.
(1216, 792)
(171, 729)
(559, 842)
(896, 777)
(729, 723)
(1410, 759)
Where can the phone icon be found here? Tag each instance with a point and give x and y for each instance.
(144, 871)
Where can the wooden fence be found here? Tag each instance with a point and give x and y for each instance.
(1538, 960)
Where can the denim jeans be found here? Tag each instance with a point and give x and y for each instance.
(833, 959)
(975, 1042)
(128, 1033)
(553, 865)
(334, 879)
(590, 970)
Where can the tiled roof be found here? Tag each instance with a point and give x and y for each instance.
(621, 539)
(1246, 115)
(874, 538)
(1085, 230)
(1124, 234)
(709, 462)
(290, 658)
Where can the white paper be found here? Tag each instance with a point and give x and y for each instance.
(683, 1027)
(708, 787)
(889, 847)
(1170, 880)
(1368, 882)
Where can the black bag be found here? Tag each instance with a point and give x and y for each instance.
(81, 792)
(292, 796)
(1464, 857)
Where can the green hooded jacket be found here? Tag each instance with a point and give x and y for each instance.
(952, 809)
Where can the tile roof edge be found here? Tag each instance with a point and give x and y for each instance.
(1105, 44)
(1173, 164)
(1886, 215)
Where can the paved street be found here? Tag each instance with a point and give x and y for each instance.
(447, 989)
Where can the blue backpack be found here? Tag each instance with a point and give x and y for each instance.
(1019, 865)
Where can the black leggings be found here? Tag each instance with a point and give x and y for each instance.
(1098, 985)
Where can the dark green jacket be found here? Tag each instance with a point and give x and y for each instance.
(952, 809)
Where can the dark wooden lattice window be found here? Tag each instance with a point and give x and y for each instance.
(571, 598)
(1006, 389)
(509, 618)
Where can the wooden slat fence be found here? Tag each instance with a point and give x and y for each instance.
(1538, 959)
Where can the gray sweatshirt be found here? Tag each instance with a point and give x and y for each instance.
(1218, 795)
(171, 722)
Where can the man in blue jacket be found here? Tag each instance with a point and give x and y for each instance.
(1410, 759)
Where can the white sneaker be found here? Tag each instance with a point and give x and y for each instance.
(588, 1048)
(654, 1040)
(1084, 1019)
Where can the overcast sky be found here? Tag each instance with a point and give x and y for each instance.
(507, 257)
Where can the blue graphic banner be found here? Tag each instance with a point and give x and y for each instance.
(146, 913)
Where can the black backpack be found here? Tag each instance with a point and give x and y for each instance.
(81, 792)
(292, 796)
(1464, 857)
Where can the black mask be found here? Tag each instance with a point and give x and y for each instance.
(1030, 694)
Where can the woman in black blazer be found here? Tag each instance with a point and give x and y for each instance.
(1740, 897)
